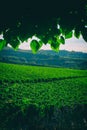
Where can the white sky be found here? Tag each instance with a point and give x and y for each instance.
(72, 44)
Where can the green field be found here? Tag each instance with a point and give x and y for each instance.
(29, 93)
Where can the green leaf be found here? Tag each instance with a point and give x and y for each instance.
(68, 35)
(2, 44)
(25, 101)
(44, 39)
(50, 41)
(15, 43)
(62, 40)
(67, 31)
(77, 33)
(41, 43)
(35, 45)
(55, 46)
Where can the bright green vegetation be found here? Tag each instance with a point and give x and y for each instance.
(42, 87)
(11, 72)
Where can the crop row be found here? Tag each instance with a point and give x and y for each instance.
(9, 72)
(64, 92)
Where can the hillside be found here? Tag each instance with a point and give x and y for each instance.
(38, 98)
(66, 59)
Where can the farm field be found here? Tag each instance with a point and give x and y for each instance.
(42, 98)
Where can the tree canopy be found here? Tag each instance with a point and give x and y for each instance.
(52, 21)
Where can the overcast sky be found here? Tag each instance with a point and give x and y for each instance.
(72, 44)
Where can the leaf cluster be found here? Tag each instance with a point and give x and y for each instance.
(51, 21)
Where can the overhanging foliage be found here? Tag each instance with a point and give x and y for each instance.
(51, 21)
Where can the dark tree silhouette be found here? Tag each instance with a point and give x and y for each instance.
(52, 21)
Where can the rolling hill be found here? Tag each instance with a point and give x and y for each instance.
(66, 59)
